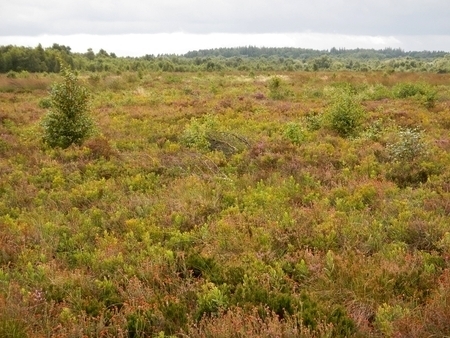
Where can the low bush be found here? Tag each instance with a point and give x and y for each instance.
(423, 92)
(345, 114)
(277, 90)
(294, 132)
(408, 155)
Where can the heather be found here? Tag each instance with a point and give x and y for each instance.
(228, 203)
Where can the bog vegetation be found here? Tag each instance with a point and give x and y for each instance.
(226, 202)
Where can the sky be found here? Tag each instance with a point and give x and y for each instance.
(140, 27)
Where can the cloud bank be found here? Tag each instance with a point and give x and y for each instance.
(139, 27)
(347, 17)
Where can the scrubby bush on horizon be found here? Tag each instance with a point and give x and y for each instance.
(423, 92)
(277, 89)
(68, 121)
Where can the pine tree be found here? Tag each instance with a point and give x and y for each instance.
(68, 121)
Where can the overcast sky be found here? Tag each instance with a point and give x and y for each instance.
(139, 27)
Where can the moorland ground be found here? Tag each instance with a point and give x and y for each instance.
(229, 204)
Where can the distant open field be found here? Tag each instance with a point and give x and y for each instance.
(229, 204)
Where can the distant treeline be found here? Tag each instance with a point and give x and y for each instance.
(302, 53)
(16, 59)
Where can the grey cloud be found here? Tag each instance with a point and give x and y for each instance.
(356, 17)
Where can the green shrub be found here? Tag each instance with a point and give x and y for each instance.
(345, 114)
(313, 121)
(4, 146)
(404, 90)
(408, 154)
(204, 135)
(196, 134)
(376, 92)
(423, 92)
(68, 121)
(408, 146)
(428, 97)
(386, 315)
(199, 266)
(212, 299)
(407, 174)
(277, 90)
(374, 131)
(11, 75)
(294, 133)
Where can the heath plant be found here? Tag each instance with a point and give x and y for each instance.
(294, 132)
(425, 93)
(277, 89)
(225, 215)
(408, 154)
(345, 114)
